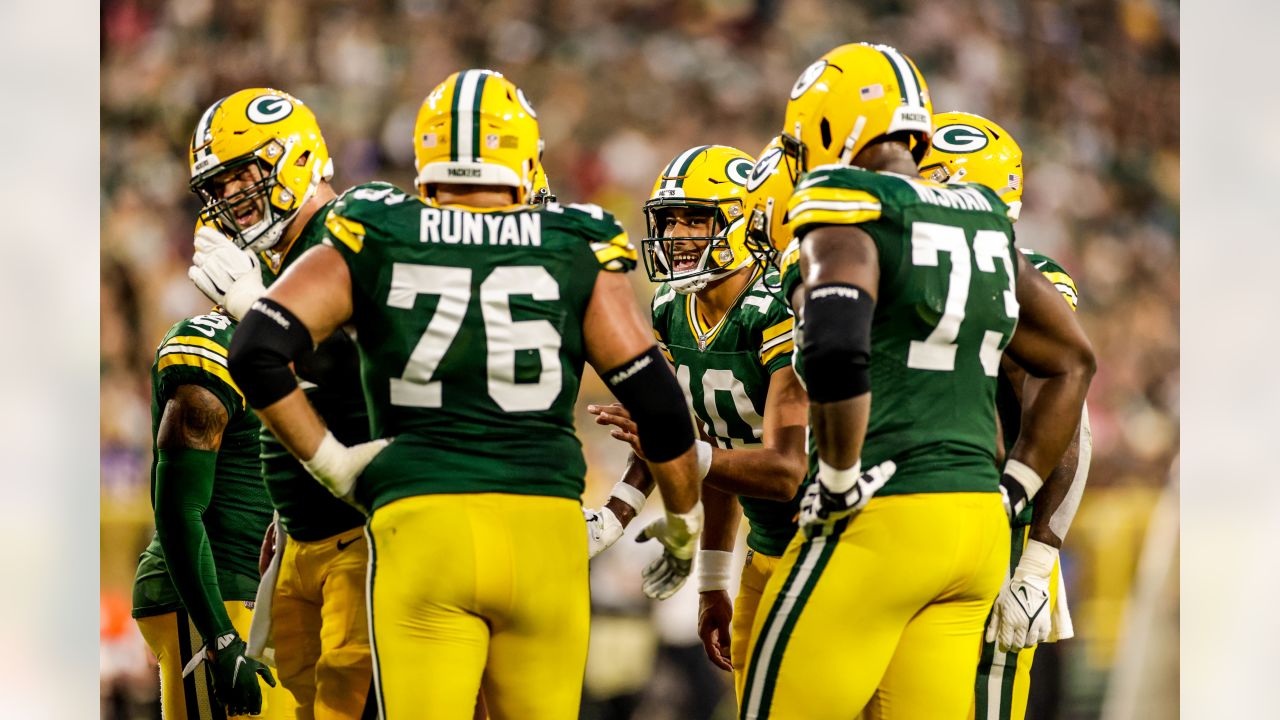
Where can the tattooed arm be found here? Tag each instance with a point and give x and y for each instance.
(187, 443)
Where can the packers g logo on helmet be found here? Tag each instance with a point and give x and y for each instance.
(268, 143)
(850, 97)
(476, 128)
(959, 138)
(971, 148)
(708, 181)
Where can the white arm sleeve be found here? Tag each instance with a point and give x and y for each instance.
(1061, 519)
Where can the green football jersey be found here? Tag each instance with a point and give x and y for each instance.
(725, 371)
(330, 377)
(194, 352)
(946, 308)
(1007, 405)
(469, 325)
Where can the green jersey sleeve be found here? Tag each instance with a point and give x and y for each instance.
(194, 352)
(602, 231)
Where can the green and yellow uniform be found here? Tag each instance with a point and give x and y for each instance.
(891, 604)
(319, 625)
(469, 325)
(194, 352)
(725, 372)
(1004, 678)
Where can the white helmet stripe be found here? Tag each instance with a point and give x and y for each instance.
(464, 117)
(681, 160)
(910, 88)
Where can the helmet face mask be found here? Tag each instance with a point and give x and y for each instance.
(255, 182)
(669, 258)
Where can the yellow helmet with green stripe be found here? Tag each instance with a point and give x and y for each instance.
(710, 179)
(971, 148)
(851, 97)
(476, 128)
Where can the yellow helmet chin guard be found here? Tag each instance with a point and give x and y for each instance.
(277, 132)
(476, 128)
(971, 148)
(851, 97)
(710, 177)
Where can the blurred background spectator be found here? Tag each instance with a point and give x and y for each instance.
(1089, 88)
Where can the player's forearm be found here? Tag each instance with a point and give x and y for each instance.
(839, 429)
(722, 514)
(295, 423)
(678, 481)
(1056, 505)
(756, 472)
(636, 475)
(184, 486)
(1050, 419)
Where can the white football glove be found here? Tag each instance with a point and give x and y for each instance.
(603, 530)
(840, 493)
(226, 274)
(337, 466)
(1021, 617)
(678, 533)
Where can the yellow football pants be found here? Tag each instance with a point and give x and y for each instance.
(750, 589)
(1004, 679)
(886, 613)
(173, 639)
(321, 628)
(475, 589)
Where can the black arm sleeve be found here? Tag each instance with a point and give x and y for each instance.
(648, 389)
(836, 342)
(266, 341)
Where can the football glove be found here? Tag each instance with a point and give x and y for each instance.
(235, 681)
(337, 466)
(1021, 617)
(823, 504)
(226, 274)
(678, 533)
(603, 530)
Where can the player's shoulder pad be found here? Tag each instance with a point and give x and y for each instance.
(599, 228)
(1056, 274)
(361, 206)
(837, 195)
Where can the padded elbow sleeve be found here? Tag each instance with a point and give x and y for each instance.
(836, 342)
(266, 341)
(648, 389)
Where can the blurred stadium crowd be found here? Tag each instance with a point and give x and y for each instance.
(1089, 88)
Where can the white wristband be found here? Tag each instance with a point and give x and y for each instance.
(713, 570)
(629, 495)
(703, 449)
(1037, 559)
(838, 481)
(1025, 476)
(328, 465)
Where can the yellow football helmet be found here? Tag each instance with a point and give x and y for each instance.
(971, 148)
(476, 128)
(850, 97)
(769, 187)
(272, 142)
(708, 177)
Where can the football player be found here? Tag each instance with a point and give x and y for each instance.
(195, 584)
(262, 169)
(474, 313)
(912, 289)
(730, 341)
(1031, 607)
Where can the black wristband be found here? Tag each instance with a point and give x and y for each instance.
(648, 389)
(266, 341)
(836, 341)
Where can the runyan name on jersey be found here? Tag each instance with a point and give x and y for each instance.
(452, 227)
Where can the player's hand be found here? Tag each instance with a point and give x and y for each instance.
(821, 506)
(678, 533)
(1022, 617)
(235, 676)
(268, 550)
(715, 614)
(337, 466)
(226, 274)
(624, 428)
(603, 530)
